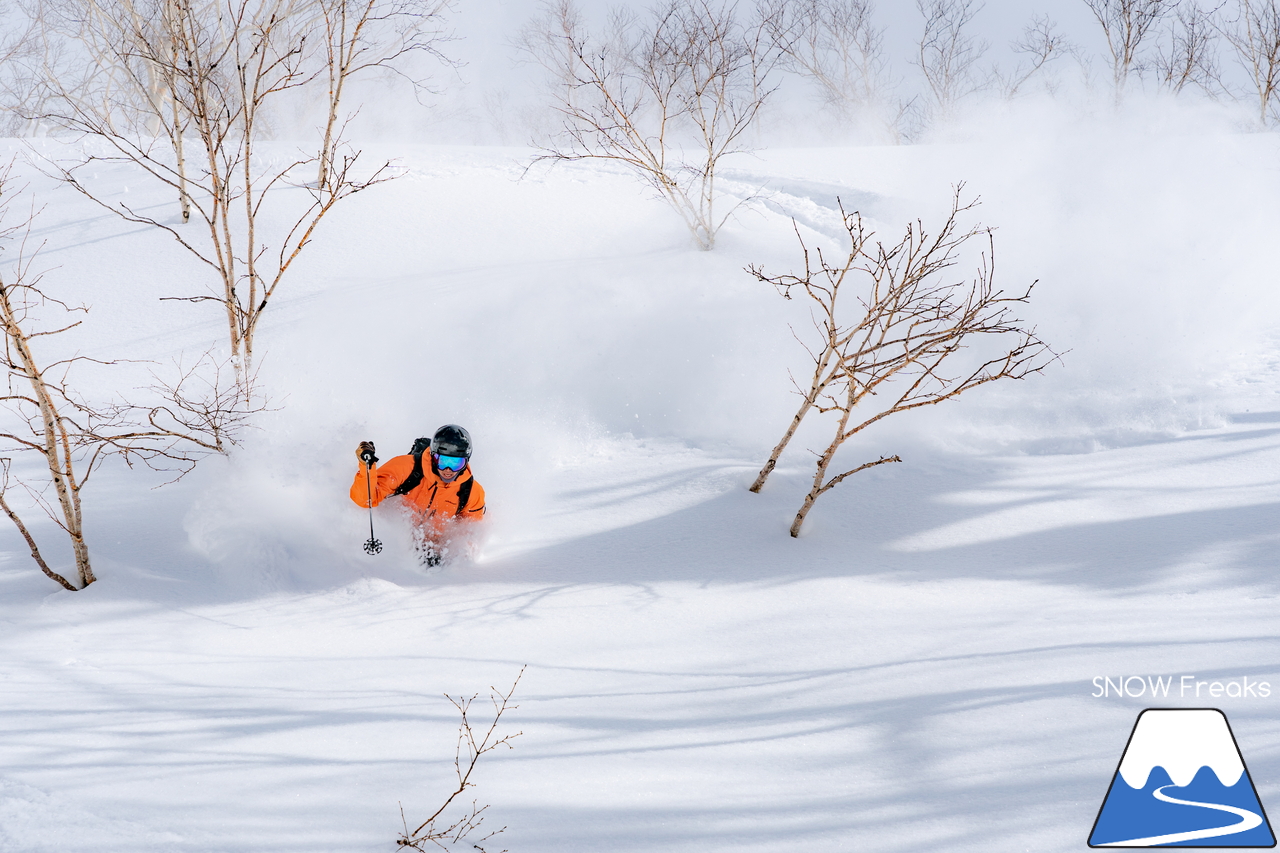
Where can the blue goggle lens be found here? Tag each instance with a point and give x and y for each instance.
(453, 463)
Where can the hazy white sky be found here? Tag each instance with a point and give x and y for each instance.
(484, 26)
(491, 96)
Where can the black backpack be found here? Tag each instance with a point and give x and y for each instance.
(415, 477)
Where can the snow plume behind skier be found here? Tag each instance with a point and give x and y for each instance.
(435, 486)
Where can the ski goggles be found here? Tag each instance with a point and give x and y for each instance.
(453, 463)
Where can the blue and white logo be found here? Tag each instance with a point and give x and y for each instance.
(1181, 783)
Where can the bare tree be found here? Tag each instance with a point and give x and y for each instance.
(836, 44)
(1126, 24)
(1190, 58)
(908, 323)
(439, 831)
(38, 399)
(1254, 37)
(948, 52)
(94, 59)
(669, 97)
(72, 436)
(1041, 43)
(225, 65)
(20, 47)
(362, 35)
(121, 40)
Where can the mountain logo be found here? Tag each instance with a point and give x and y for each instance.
(1181, 783)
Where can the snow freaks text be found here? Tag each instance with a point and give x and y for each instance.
(1179, 686)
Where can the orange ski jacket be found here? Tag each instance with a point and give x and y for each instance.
(431, 497)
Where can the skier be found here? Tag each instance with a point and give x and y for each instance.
(438, 494)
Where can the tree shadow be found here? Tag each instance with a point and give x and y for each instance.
(906, 520)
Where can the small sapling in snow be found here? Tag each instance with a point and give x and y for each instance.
(446, 831)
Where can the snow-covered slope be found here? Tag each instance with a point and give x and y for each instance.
(915, 672)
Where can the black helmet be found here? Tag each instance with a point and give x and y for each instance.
(452, 440)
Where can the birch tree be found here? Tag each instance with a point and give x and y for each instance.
(366, 35)
(949, 52)
(1041, 43)
(226, 64)
(1126, 26)
(894, 343)
(837, 45)
(1254, 37)
(97, 59)
(1189, 57)
(669, 96)
(44, 417)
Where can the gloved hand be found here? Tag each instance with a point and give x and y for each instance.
(366, 454)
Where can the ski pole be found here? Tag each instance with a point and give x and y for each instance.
(374, 545)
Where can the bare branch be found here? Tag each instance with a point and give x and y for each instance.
(1190, 58)
(668, 97)
(836, 44)
(26, 535)
(363, 35)
(909, 320)
(1254, 37)
(948, 53)
(1126, 24)
(71, 436)
(198, 76)
(1042, 44)
(472, 743)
